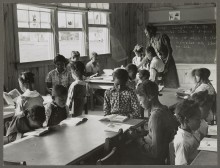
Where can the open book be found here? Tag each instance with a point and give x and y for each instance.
(114, 118)
(11, 97)
(181, 93)
(114, 127)
(37, 132)
(208, 144)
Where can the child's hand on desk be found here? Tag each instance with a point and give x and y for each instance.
(134, 133)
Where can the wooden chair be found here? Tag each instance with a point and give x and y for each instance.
(110, 159)
(171, 153)
(14, 163)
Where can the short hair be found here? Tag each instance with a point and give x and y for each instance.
(151, 50)
(147, 88)
(203, 73)
(151, 29)
(138, 48)
(75, 54)
(186, 109)
(144, 73)
(60, 90)
(26, 77)
(93, 54)
(121, 75)
(36, 113)
(132, 67)
(78, 66)
(60, 58)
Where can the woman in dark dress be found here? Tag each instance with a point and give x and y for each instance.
(162, 46)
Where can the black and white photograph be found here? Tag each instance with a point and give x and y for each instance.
(109, 83)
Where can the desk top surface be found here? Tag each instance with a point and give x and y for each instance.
(169, 97)
(206, 158)
(63, 145)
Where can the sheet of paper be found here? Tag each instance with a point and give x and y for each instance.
(212, 130)
(208, 144)
(37, 132)
(114, 127)
(70, 121)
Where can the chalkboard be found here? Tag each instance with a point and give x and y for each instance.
(193, 43)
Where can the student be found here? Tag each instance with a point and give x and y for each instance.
(186, 140)
(30, 120)
(57, 110)
(75, 55)
(156, 66)
(162, 125)
(143, 76)
(132, 72)
(121, 99)
(60, 75)
(202, 81)
(30, 97)
(139, 54)
(93, 67)
(205, 102)
(78, 89)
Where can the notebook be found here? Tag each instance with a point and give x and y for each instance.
(114, 127)
(70, 121)
(114, 118)
(208, 144)
(212, 130)
(11, 97)
(37, 132)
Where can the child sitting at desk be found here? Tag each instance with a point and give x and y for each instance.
(29, 120)
(77, 91)
(143, 76)
(57, 110)
(75, 55)
(132, 72)
(205, 102)
(93, 67)
(162, 125)
(186, 140)
(30, 97)
(121, 99)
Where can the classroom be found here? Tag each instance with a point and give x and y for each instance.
(110, 84)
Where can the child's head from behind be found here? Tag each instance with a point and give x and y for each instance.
(94, 56)
(147, 92)
(144, 75)
(205, 102)
(120, 77)
(26, 80)
(60, 95)
(132, 71)
(188, 114)
(150, 52)
(36, 116)
(139, 50)
(75, 55)
(77, 69)
(60, 61)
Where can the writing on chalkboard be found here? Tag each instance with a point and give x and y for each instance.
(192, 43)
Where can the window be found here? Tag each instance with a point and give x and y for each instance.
(44, 31)
(34, 33)
(98, 33)
(71, 35)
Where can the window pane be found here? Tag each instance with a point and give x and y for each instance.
(71, 41)
(93, 5)
(99, 5)
(106, 5)
(22, 18)
(78, 21)
(82, 5)
(35, 46)
(103, 18)
(45, 20)
(75, 4)
(66, 4)
(91, 17)
(97, 18)
(70, 20)
(61, 19)
(99, 40)
(34, 19)
(20, 6)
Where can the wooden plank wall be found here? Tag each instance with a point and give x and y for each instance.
(120, 23)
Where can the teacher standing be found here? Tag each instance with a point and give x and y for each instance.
(162, 46)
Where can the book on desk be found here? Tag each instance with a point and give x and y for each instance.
(114, 118)
(37, 132)
(208, 144)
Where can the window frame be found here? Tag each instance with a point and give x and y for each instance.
(55, 8)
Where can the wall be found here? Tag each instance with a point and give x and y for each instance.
(119, 19)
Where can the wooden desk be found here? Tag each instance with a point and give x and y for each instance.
(206, 158)
(169, 97)
(64, 145)
(98, 84)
